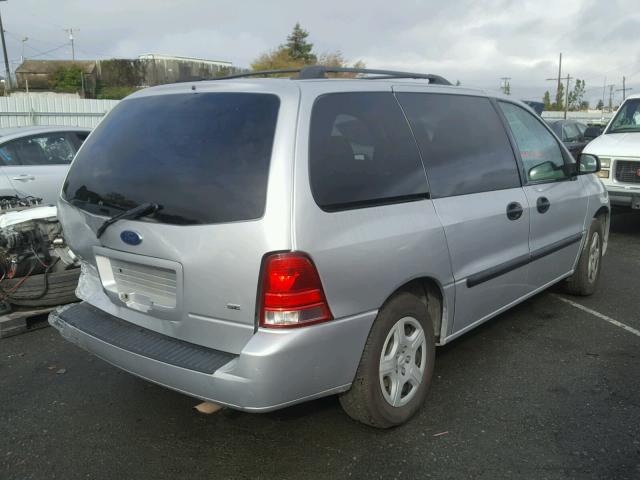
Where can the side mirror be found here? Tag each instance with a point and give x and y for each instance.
(592, 132)
(588, 163)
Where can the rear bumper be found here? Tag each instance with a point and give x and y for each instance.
(275, 369)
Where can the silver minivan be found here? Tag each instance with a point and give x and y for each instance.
(260, 242)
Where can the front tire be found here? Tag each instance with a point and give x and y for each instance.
(396, 367)
(584, 280)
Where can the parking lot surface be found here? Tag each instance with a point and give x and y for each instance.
(545, 391)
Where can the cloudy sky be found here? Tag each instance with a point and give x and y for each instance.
(474, 41)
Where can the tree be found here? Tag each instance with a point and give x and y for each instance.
(559, 103)
(577, 95)
(600, 105)
(336, 59)
(458, 83)
(288, 56)
(546, 100)
(298, 47)
(67, 79)
(275, 60)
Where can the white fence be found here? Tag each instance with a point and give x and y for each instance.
(34, 109)
(584, 117)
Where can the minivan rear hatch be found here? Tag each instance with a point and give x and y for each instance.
(207, 158)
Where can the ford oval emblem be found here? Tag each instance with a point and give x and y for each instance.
(130, 237)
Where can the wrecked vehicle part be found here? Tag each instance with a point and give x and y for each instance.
(37, 267)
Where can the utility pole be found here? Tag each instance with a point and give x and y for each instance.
(624, 89)
(566, 101)
(611, 98)
(505, 86)
(24, 40)
(73, 50)
(7, 70)
(559, 74)
(604, 89)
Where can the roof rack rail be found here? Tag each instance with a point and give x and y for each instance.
(320, 71)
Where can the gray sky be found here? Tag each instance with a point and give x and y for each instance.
(475, 41)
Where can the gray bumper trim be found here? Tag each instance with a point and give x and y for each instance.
(141, 341)
(276, 368)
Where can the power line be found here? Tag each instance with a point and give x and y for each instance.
(52, 50)
(624, 89)
(23, 41)
(42, 53)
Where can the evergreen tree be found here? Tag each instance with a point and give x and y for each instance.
(600, 105)
(298, 46)
(547, 100)
(297, 53)
(576, 95)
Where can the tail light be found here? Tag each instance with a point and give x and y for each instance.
(292, 294)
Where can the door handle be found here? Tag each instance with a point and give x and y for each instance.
(543, 204)
(23, 178)
(514, 211)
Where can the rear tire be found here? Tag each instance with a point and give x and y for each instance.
(61, 287)
(584, 280)
(396, 366)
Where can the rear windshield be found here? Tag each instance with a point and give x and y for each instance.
(203, 157)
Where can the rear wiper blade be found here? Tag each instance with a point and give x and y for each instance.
(141, 210)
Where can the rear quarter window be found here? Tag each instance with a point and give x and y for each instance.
(203, 157)
(362, 153)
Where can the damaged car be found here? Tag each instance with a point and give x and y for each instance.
(34, 160)
(38, 268)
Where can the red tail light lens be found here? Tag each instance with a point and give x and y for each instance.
(292, 294)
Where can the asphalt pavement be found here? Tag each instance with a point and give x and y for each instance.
(544, 391)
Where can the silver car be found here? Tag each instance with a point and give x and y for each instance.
(34, 160)
(263, 242)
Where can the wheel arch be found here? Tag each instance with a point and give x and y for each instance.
(431, 292)
(604, 213)
(603, 210)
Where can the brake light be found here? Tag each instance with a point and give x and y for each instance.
(292, 294)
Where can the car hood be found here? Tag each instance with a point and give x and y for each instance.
(615, 145)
